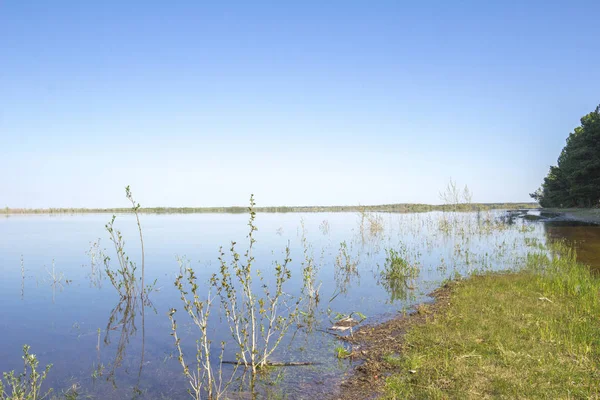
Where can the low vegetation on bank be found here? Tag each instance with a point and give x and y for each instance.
(528, 334)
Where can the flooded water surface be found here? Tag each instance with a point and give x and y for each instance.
(56, 297)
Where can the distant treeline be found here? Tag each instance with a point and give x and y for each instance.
(575, 180)
(399, 208)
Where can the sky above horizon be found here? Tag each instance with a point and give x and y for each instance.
(311, 103)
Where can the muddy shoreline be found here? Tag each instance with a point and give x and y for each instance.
(372, 343)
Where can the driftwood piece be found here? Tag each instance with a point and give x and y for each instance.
(344, 324)
(276, 363)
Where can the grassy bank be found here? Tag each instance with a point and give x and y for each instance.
(531, 334)
(280, 209)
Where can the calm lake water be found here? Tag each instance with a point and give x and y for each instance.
(75, 320)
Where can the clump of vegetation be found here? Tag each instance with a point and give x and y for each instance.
(575, 180)
(396, 274)
(398, 267)
(341, 352)
(28, 384)
(371, 224)
(530, 334)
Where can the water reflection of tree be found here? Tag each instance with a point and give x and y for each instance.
(122, 319)
(585, 238)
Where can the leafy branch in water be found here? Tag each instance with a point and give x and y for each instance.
(204, 377)
(28, 384)
(257, 323)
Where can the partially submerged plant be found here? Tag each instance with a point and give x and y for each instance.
(257, 322)
(203, 378)
(28, 384)
(310, 289)
(341, 352)
(124, 278)
(97, 256)
(309, 269)
(396, 273)
(398, 267)
(55, 278)
(324, 227)
(22, 278)
(371, 225)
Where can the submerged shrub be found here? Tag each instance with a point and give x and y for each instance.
(258, 322)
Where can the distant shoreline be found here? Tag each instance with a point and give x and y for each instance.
(394, 208)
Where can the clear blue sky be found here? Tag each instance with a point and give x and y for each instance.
(318, 102)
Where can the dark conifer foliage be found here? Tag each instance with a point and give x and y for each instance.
(575, 181)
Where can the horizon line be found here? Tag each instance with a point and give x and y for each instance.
(390, 207)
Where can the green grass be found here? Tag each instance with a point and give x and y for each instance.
(341, 352)
(533, 334)
(397, 267)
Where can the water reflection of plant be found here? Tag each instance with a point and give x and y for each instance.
(309, 271)
(122, 319)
